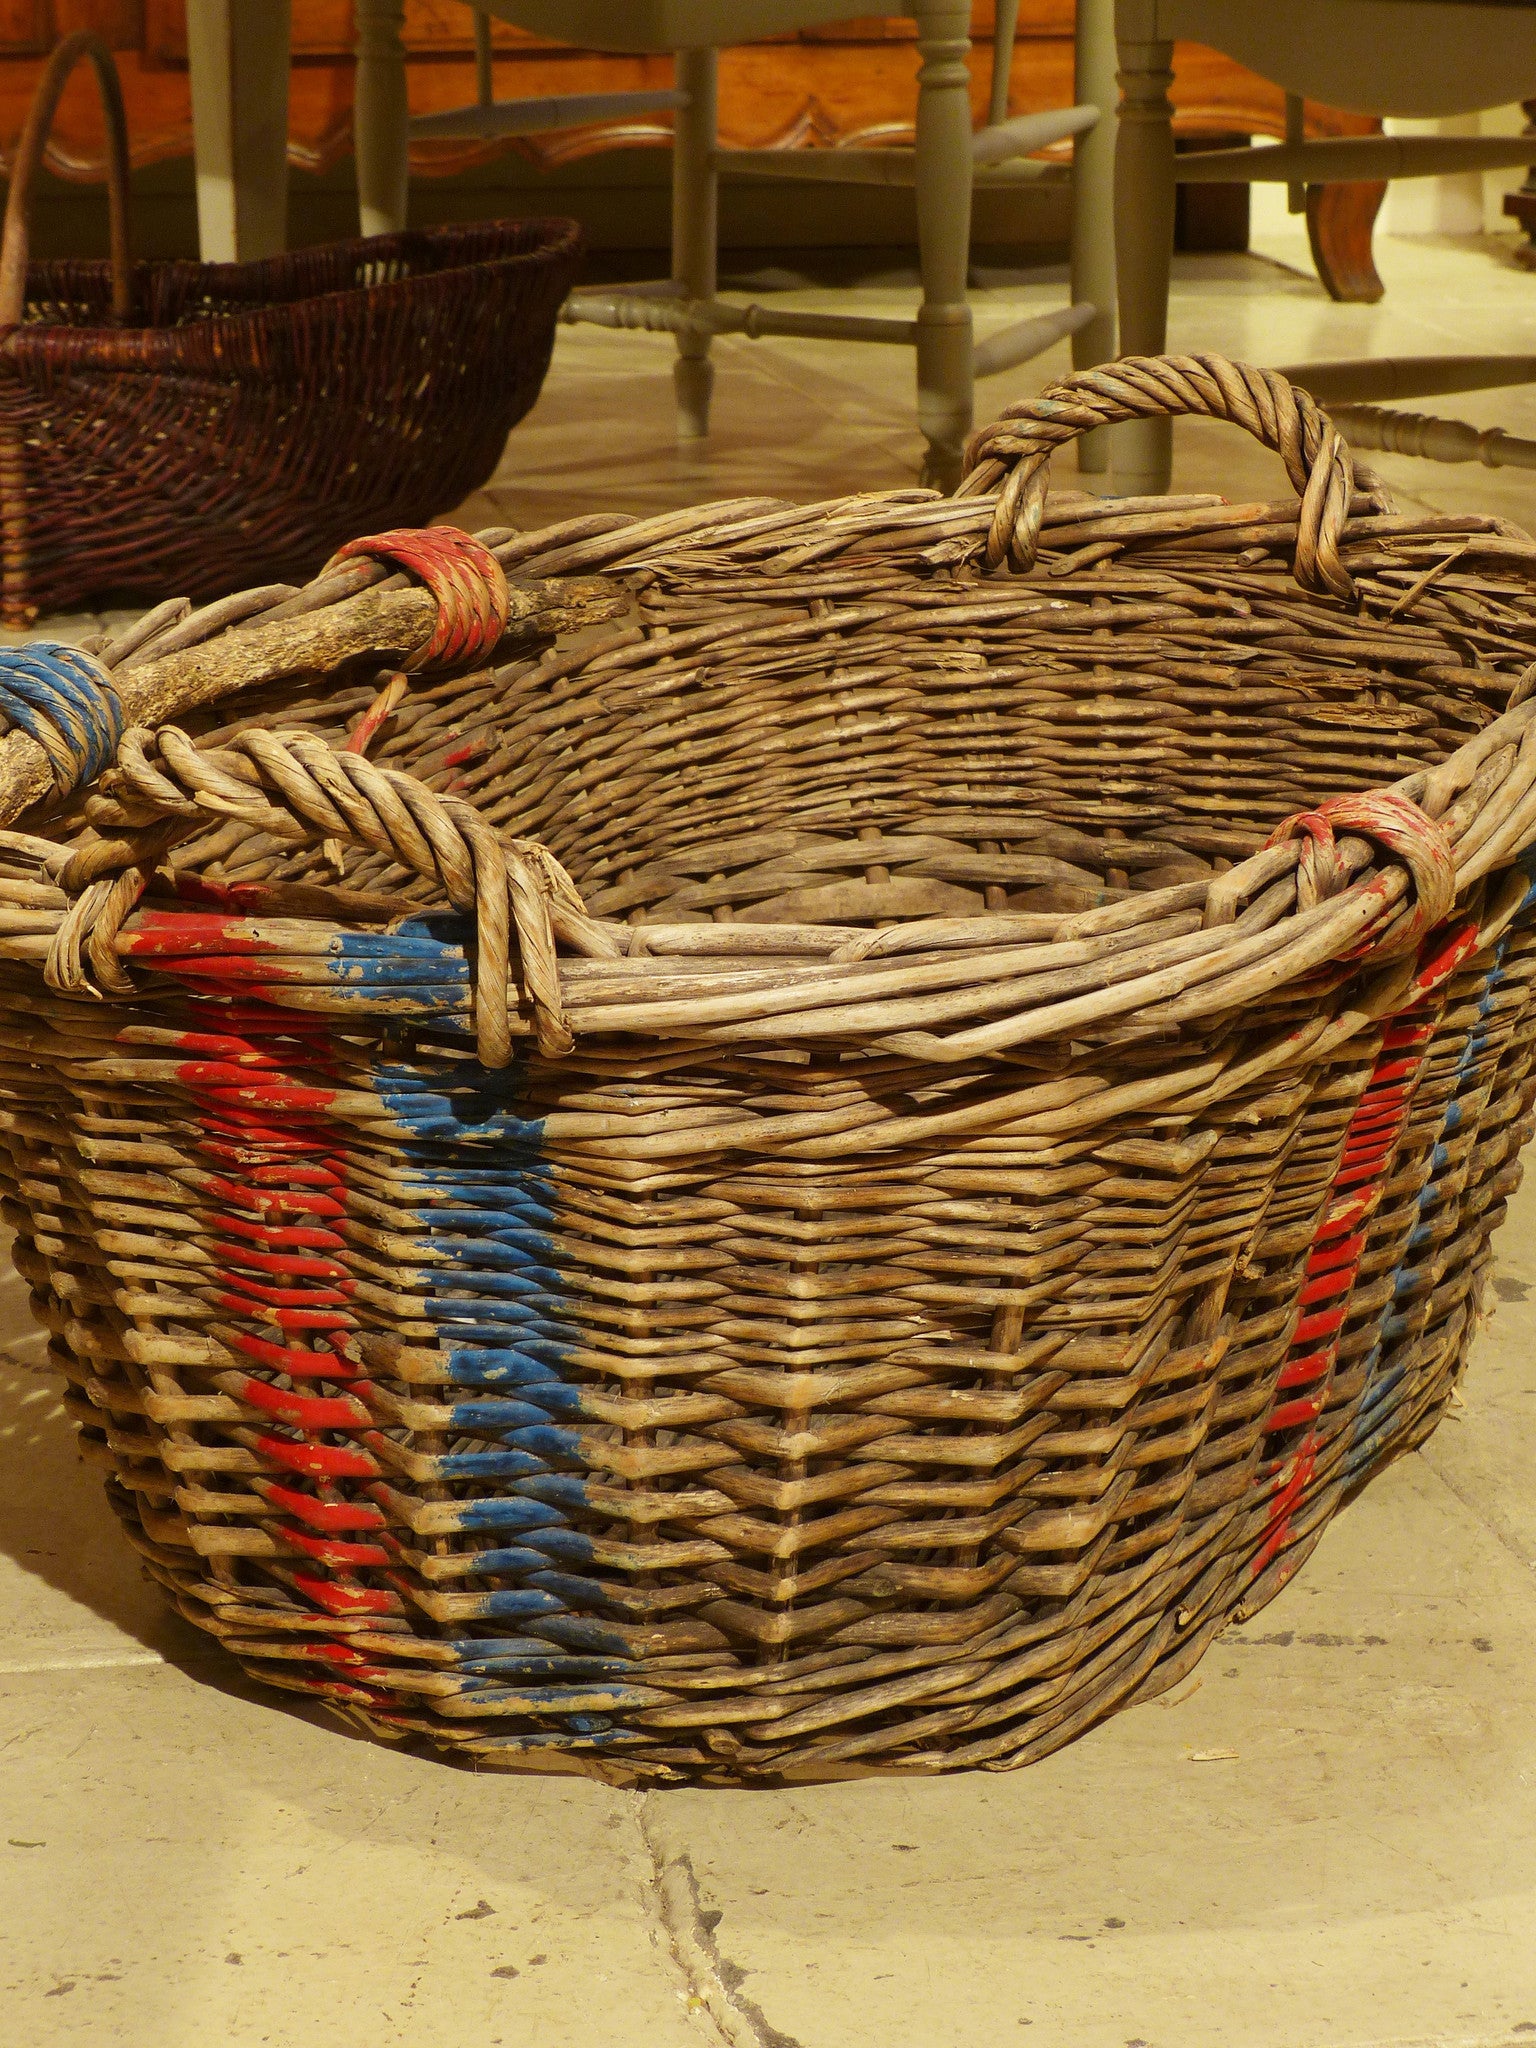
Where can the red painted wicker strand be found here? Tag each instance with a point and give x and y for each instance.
(473, 602)
(1396, 823)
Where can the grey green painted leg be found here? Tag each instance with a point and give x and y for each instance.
(1093, 206)
(1144, 195)
(944, 369)
(695, 227)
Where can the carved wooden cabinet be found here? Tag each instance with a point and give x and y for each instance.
(854, 82)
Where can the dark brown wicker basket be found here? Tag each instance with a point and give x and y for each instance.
(165, 425)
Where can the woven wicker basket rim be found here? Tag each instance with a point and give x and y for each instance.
(216, 344)
(923, 989)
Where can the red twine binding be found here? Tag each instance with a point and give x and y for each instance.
(473, 602)
(1400, 826)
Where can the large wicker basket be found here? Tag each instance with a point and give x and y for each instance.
(168, 425)
(836, 1171)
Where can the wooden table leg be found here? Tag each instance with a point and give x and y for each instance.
(379, 114)
(1093, 205)
(1144, 206)
(695, 232)
(1340, 221)
(1521, 205)
(945, 376)
(237, 55)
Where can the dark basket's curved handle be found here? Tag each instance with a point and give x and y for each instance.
(1019, 443)
(16, 240)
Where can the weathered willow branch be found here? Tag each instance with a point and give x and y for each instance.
(375, 623)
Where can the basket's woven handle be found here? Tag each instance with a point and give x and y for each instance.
(1019, 443)
(15, 243)
(293, 786)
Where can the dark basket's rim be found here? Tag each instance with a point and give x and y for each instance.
(550, 241)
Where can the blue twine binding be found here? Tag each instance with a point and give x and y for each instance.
(65, 701)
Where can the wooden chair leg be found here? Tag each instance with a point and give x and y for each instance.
(1093, 206)
(1144, 207)
(237, 54)
(1005, 30)
(379, 116)
(945, 363)
(1340, 222)
(695, 231)
(1521, 205)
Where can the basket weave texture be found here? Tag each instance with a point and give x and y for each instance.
(853, 1163)
(231, 414)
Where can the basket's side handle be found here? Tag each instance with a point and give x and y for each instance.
(170, 663)
(294, 787)
(1017, 446)
(16, 239)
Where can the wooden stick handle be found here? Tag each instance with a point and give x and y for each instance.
(375, 622)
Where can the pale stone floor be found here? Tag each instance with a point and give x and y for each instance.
(185, 1863)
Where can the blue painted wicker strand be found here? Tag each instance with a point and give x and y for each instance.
(65, 701)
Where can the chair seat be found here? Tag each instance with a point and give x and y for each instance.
(661, 26)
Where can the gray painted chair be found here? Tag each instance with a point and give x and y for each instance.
(947, 161)
(1405, 57)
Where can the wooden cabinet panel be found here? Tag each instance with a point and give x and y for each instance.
(25, 26)
(119, 23)
(30, 28)
(852, 81)
(165, 32)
